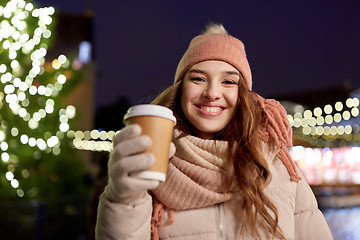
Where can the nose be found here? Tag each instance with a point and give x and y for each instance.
(212, 91)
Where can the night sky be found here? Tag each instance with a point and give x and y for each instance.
(292, 46)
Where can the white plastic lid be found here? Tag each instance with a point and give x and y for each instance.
(150, 175)
(150, 110)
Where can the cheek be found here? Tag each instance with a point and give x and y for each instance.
(187, 95)
(232, 98)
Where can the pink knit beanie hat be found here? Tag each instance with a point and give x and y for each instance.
(215, 44)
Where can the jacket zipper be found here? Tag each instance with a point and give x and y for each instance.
(221, 222)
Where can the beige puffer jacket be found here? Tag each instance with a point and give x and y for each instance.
(299, 216)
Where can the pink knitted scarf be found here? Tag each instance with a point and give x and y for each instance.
(196, 174)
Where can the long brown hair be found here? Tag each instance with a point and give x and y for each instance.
(247, 165)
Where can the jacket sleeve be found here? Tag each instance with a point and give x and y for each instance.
(310, 223)
(119, 221)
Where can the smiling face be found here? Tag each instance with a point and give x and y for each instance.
(209, 96)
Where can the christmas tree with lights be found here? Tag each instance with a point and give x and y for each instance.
(37, 160)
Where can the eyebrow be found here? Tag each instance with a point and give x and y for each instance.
(233, 73)
(201, 71)
(196, 71)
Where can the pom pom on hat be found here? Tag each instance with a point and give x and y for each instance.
(215, 44)
(214, 28)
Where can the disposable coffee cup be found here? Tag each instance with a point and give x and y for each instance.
(158, 123)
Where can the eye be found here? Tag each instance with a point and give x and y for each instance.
(197, 79)
(230, 82)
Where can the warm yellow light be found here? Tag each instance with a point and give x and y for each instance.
(320, 120)
(313, 130)
(56, 64)
(297, 116)
(346, 115)
(312, 121)
(317, 112)
(62, 58)
(14, 131)
(3, 68)
(337, 117)
(92, 145)
(297, 122)
(103, 135)
(341, 130)
(304, 122)
(349, 102)
(87, 135)
(41, 144)
(111, 135)
(333, 130)
(14, 183)
(9, 176)
(64, 127)
(47, 34)
(33, 124)
(32, 142)
(4, 146)
(307, 114)
(20, 192)
(355, 102)
(79, 135)
(52, 141)
(329, 119)
(355, 112)
(348, 129)
(95, 134)
(319, 130)
(327, 130)
(339, 106)
(306, 130)
(61, 78)
(5, 157)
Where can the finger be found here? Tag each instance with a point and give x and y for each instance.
(130, 164)
(128, 132)
(131, 185)
(131, 147)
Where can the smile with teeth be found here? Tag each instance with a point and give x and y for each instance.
(210, 109)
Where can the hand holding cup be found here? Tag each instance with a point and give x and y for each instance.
(141, 152)
(129, 156)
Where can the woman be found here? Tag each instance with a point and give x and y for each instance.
(231, 177)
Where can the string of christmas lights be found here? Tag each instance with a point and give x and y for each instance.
(328, 126)
(311, 123)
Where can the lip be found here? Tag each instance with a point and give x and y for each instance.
(210, 110)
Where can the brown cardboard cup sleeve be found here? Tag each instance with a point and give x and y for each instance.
(158, 123)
